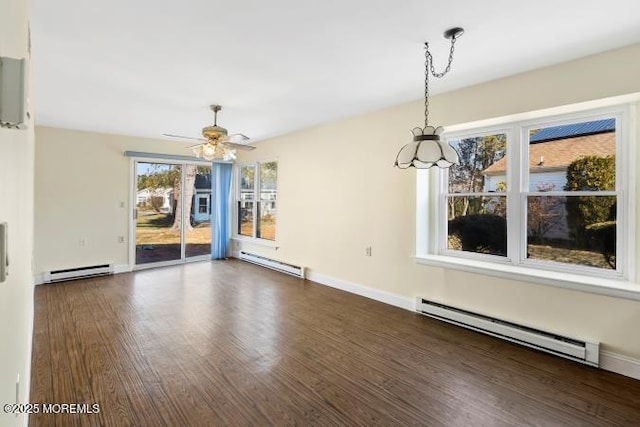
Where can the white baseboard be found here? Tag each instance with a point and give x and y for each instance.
(354, 288)
(609, 361)
(122, 268)
(620, 364)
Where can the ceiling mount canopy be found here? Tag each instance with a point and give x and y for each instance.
(426, 149)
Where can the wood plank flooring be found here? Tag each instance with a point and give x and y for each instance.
(230, 343)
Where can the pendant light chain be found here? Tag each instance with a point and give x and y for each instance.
(426, 149)
(430, 69)
(427, 63)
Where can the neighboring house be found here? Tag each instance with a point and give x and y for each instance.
(143, 197)
(551, 151)
(268, 197)
(201, 207)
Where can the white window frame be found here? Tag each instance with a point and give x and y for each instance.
(432, 217)
(256, 190)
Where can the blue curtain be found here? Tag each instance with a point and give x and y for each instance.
(220, 188)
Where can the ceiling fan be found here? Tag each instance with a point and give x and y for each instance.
(217, 143)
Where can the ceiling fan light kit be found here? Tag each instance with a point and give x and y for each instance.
(426, 150)
(217, 143)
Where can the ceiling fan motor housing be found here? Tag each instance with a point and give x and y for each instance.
(214, 133)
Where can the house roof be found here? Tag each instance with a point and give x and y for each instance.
(574, 129)
(557, 154)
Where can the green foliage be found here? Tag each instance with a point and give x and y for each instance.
(268, 174)
(159, 177)
(480, 233)
(156, 202)
(589, 173)
(476, 154)
(247, 177)
(602, 237)
(543, 213)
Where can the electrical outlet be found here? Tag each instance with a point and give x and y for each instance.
(83, 241)
(120, 239)
(367, 251)
(122, 204)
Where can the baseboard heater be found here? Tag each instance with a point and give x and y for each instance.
(570, 348)
(77, 273)
(283, 267)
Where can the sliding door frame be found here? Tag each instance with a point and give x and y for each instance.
(133, 179)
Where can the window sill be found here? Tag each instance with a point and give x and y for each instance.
(256, 241)
(597, 285)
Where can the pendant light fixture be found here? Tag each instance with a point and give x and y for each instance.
(426, 149)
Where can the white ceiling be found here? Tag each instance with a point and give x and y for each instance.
(147, 67)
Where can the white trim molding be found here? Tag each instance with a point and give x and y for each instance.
(624, 365)
(122, 268)
(354, 288)
(582, 283)
(255, 241)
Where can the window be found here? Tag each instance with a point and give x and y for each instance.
(203, 204)
(545, 194)
(257, 198)
(477, 203)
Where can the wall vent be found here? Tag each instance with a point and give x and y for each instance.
(77, 273)
(283, 267)
(570, 348)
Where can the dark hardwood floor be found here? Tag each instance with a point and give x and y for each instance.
(231, 343)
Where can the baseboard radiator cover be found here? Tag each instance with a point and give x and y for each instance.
(570, 348)
(283, 267)
(78, 273)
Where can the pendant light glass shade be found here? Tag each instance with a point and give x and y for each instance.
(209, 151)
(426, 150)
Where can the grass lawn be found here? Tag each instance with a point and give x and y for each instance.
(551, 253)
(571, 256)
(154, 228)
(267, 229)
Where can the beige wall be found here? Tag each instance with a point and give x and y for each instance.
(81, 183)
(16, 208)
(339, 193)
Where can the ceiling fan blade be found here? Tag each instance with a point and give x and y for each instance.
(195, 146)
(183, 137)
(237, 141)
(239, 146)
(237, 138)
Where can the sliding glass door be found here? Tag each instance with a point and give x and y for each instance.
(173, 212)
(198, 230)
